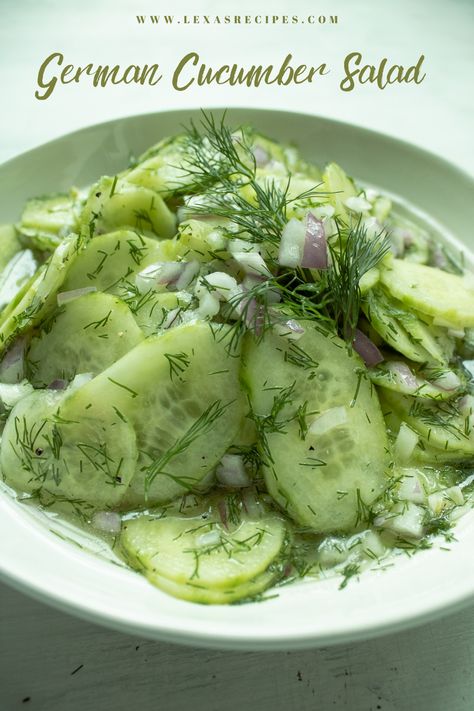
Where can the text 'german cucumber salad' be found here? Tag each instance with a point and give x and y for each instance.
(239, 370)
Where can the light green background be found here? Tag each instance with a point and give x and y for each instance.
(427, 669)
(436, 115)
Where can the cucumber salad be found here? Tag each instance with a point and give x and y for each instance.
(237, 368)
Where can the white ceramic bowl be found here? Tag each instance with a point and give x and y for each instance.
(43, 557)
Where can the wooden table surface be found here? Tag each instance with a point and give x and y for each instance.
(50, 661)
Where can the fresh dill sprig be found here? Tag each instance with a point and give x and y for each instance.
(199, 428)
(221, 164)
(353, 254)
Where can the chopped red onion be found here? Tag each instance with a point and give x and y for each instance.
(12, 364)
(107, 521)
(254, 316)
(231, 472)
(404, 374)
(367, 350)
(65, 297)
(189, 271)
(291, 329)
(315, 250)
(222, 509)
(58, 384)
(447, 381)
(261, 156)
(159, 274)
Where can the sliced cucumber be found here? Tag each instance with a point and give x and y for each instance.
(181, 391)
(115, 203)
(398, 376)
(15, 274)
(202, 240)
(340, 187)
(37, 298)
(163, 168)
(440, 423)
(385, 318)
(109, 262)
(321, 430)
(193, 591)
(87, 335)
(152, 308)
(45, 221)
(45, 447)
(9, 244)
(203, 561)
(445, 296)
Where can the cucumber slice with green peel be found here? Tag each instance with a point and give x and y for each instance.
(202, 240)
(339, 188)
(384, 318)
(49, 214)
(37, 298)
(444, 296)
(46, 447)
(15, 274)
(440, 423)
(181, 391)
(110, 262)
(86, 335)
(152, 309)
(398, 376)
(193, 592)
(431, 456)
(163, 168)
(421, 333)
(202, 560)
(114, 203)
(9, 244)
(321, 430)
(45, 221)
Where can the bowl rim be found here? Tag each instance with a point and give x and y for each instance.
(400, 619)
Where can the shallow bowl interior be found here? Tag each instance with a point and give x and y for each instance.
(56, 563)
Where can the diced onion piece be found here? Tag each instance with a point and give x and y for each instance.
(367, 350)
(220, 284)
(190, 270)
(329, 420)
(469, 366)
(107, 521)
(247, 255)
(58, 384)
(448, 380)
(231, 472)
(79, 380)
(466, 405)
(208, 305)
(12, 366)
(403, 374)
(210, 538)
(405, 443)
(158, 275)
(292, 241)
(411, 487)
(10, 394)
(357, 204)
(315, 249)
(405, 519)
(290, 329)
(445, 499)
(171, 319)
(64, 297)
(262, 157)
(332, 551)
